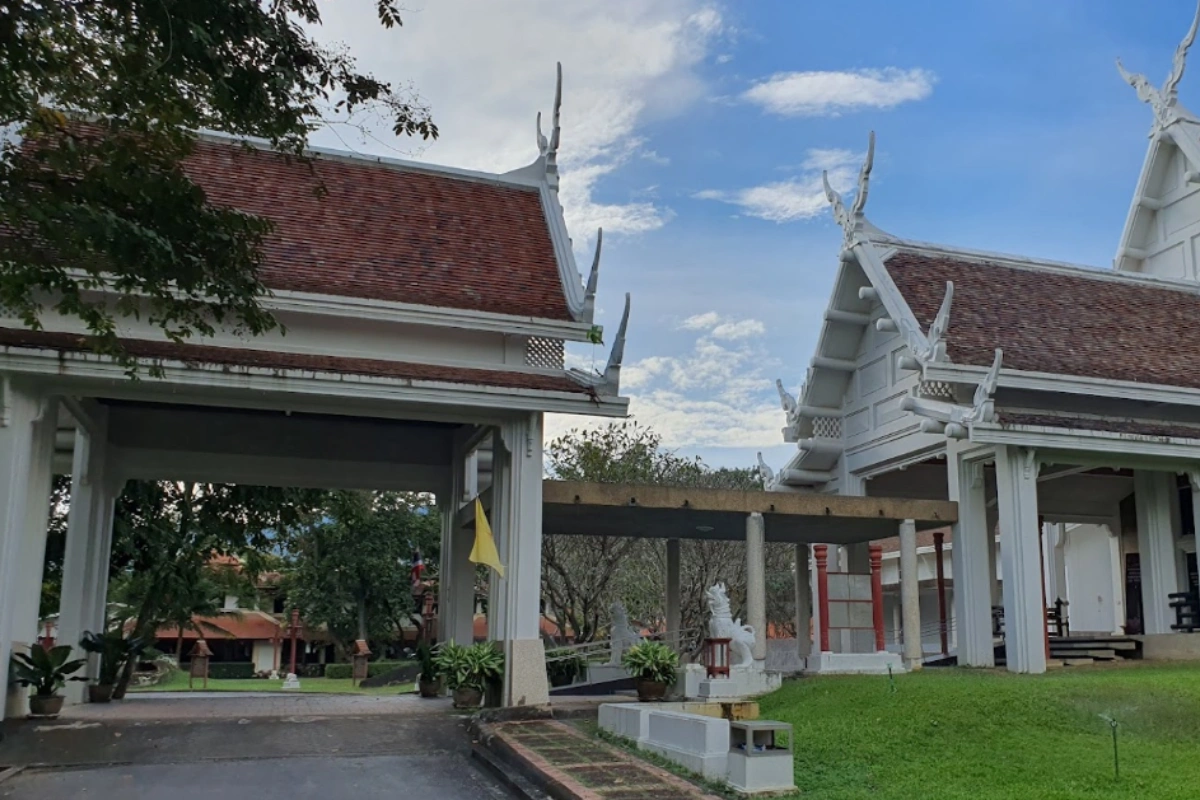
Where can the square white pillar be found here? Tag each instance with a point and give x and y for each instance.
(517, 471)
(26, 452)
(971, 543)
(94, 489)
(910, 595)
(756, 583)
(456, 587)
(1156, 547)
(1020, 556)
(803, 601)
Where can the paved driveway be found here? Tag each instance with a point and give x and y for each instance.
(263, 748)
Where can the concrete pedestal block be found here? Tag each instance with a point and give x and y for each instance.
(696, 743)
(627, 720)
(855, 663)
(762, 773)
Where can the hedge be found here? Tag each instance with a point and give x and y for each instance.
(344, 671)
(230, 670)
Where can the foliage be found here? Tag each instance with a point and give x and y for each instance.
(344, 671)
(579, 595)
(56, 546)
(309, 684)
(429, 667)
(114, 649)
(46, 671)
(166, 533)
(563, 666)
(470, 666)
(349, 571)
(651, 661)
(230, 670)
(991, 735)
(110, 205)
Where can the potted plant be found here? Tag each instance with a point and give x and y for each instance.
(468, 670)
(564, 666)
(46, 671)
(114, 650)
(429, 682)
(653, 666)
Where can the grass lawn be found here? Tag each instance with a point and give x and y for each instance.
(989, 734)
(179, 683)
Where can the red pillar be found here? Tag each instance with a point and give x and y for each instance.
(821, 555)
(295, 628)
(939, 540)
(876, 556)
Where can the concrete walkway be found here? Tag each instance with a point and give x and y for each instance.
(318, 746)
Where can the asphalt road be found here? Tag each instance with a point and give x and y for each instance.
(258, 758)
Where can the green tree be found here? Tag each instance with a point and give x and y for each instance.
(108, 205)
(165, 533)
(56, 546)
(350, 570)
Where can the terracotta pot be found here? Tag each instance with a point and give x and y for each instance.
(100, 692)
(465, 697)
(430, 688)
(45, 706)
(650, 691)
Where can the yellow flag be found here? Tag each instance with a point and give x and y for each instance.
(484, 552)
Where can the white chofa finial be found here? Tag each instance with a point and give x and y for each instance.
(589, 292)
(549, 147)
(766, 473)
(851, 218)
(936, 350)
(1165, 101)
(612, 372)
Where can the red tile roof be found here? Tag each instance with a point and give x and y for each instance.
(924, 539)
(239, 357)
(356, 228)
(256, 625)
(1056, 321)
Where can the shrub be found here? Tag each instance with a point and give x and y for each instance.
(230, 670)
(344, 672)
(651, 661)
(565, 667)
(472, 667)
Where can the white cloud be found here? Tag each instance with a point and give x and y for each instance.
(487, 68)
(743, 329)
(700, 322)
(800, 197)
(812, 94)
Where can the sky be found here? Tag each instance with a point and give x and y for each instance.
(695, 133)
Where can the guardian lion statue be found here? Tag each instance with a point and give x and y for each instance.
(623, 635)
(722, 625)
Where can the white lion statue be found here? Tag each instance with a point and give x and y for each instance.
(623, 635)
(722, 625)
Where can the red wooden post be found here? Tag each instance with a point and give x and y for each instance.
(939, 539)
(876, 556)
(821, 555)
(295, 628)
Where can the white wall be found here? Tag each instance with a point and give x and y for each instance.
(1094, 580)
(263, 656)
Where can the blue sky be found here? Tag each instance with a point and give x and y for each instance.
(694, 131)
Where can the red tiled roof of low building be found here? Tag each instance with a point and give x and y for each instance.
(355, 228)
(1057, 321)
(264, 359)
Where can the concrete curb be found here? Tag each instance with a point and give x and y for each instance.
(10, 772)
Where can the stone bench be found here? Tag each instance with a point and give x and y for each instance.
(696, 742)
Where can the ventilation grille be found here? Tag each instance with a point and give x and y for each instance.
(545, 353)
(827, 427)
(937, 390)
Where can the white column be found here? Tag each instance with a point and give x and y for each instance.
(456, 590)
(94, 489)
(673, 589)
(971, 544)
(1156, 546)
(756, 584)
(26, 451)
(1024, 615)
(519, 520)
(910, 594)
(995, 590)
(803, 601)
(1056, 562)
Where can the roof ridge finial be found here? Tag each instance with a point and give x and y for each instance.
(766, 473)
(548, 148)
(851, 219)
(589, 292)
(1165, 101)
(612, 372)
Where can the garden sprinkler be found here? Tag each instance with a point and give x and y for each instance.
(891, 679)
(1112, 723)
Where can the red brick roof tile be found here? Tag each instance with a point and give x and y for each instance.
(238, 357)
(389, 233)
(1174, 430)
(1055, 321)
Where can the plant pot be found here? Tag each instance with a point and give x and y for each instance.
(45, 705)
(466, 697)
(650, 691)
(430, 688)
(100, 692)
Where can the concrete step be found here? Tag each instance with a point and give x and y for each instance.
(1097, 654)
(1086, 644)
(1078, 662)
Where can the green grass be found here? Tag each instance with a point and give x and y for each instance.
(986, 735)
(179, 683)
